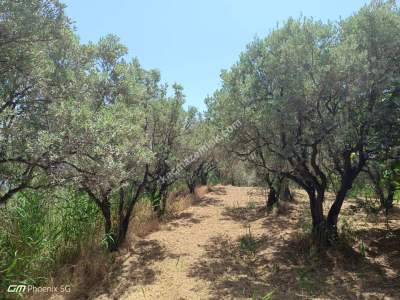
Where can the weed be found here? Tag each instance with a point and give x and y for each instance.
(248, 243)
(251, 205)
(347, 233)
(305, 275)
(363, 249)
(267, 296)
(304, 223)
(304, 280)
(275, 268)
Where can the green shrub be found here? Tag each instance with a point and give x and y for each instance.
(42, 230)
(248, 244)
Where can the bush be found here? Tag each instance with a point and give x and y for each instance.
(41, 231)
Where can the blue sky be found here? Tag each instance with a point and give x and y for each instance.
(191, 41)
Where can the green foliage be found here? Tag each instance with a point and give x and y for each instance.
(252, 204)
(248, 244)
(361, 189)
(23, 233)
(346, 231)
(41, 231)
(77, 221)
(362, 248)
(85, 133)
(267, 296)
(214, 179)
(305, 223)
(317, 102)
(306, 275)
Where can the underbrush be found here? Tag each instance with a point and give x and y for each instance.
(367, 199)
(42, 231)
(144, 220)
(56, 237)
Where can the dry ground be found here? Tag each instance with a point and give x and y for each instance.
(226, 246)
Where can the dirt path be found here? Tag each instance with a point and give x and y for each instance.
(167, 264)
(201, 254)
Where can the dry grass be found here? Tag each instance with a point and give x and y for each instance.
(201, 191)
(82, 275)
(143, 222)
(94, 266)
(178, 202)
(146, 221)
(91, 269)
(225, 246)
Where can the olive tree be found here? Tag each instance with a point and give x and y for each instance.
(97, 140)
(102, 152)
(311, 96)
(38, 66)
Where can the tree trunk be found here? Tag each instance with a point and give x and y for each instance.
(105, 207)
(191, 186)
(381, 195)
(110, 236)
(387, 202)
(124, 224)
(284, 191)
(203, 179)
(272, 198)
(163, 199)
(333, 214)
(319, 229)
(389, 199)
(376, 183)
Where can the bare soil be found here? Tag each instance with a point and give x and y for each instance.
(226, 246)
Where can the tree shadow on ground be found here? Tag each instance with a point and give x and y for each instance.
(182, 219)
(218, 190)
(231, 272)
(383, 244)
(243, 214)
(292, 269)
(135, 268)
(276, 220)
(394, 213)
(338, 272)
(207, 201)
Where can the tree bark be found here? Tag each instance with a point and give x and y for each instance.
(110, 236)
(284, 191)
(191, 186)
(390, 197)
(163, 200)
(334, 211)
(388, 201)
(124, 225)
(272, 198)
(319, 229)
(104, 205)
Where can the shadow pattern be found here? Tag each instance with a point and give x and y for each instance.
(294, 269)
(136, 269)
